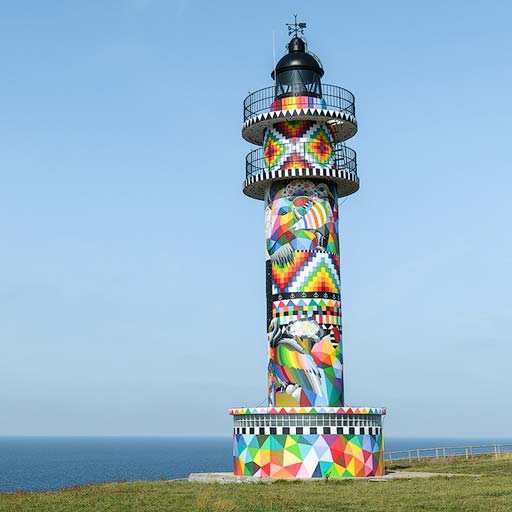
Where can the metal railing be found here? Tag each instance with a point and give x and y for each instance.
(445, 452)
(336, 98)
(344, 158)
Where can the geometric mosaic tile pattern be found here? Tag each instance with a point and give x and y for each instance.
(299, 144)
(308, 456)
(273, 151)
(324, 311)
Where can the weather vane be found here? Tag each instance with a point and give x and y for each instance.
(295, 28)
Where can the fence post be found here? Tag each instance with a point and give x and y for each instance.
(471, 451)
(495, 452)
(444, 453)
(418, 454)
(410, 455)
(437, 453)
(467, 458)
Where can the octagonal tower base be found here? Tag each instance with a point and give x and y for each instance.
(308, 442)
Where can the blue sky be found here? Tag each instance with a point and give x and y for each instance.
(132, 291)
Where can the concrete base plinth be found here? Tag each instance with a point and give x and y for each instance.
(229, 478)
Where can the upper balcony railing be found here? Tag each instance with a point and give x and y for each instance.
(343, 158)
(336, 98)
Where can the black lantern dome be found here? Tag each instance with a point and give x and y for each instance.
(298, 72)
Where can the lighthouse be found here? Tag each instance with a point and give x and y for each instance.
(299, 171)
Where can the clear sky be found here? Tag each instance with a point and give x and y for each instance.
(132, 293)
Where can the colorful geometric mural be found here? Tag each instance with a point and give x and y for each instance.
(308, 456)
(308, 272)
(273, 151)
(319, 145)
(299, 144)
(325, 311)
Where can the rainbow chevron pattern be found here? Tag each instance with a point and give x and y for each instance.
(316, 272)
(319, 146)
(308, 456)
(273, 151)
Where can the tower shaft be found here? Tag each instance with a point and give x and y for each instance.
(303, 274)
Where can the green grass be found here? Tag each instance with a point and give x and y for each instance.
(492, 492)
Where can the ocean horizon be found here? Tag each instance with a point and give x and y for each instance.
(40, 463)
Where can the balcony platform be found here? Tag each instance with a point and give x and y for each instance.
(336, 107)
(342, 171)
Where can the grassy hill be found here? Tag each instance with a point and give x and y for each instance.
(491, 492)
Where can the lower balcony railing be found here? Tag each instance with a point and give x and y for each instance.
(342, 157)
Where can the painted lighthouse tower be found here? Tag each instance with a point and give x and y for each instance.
(300, 170)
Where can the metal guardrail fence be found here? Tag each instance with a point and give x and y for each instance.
(344, 158)
(335, 97)
(445, 452)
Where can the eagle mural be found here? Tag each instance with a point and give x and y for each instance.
(303, 363)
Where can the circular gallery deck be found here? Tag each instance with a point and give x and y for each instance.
(262, 110)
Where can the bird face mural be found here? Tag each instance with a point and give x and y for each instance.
(305, 367)
(302, 216)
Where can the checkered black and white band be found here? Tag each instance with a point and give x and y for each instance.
(372, 431)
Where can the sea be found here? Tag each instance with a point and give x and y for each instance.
(47, 463)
